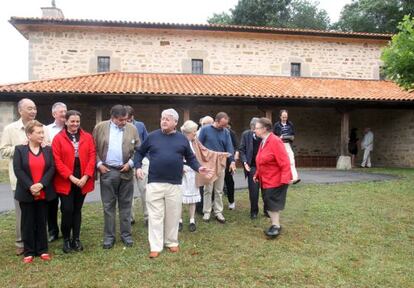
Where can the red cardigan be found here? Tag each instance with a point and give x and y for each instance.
(272, 163)
(64, 156)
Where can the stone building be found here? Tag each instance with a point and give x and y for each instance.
(329, 81)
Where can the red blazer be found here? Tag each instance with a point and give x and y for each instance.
(272, 163)
(64, 155)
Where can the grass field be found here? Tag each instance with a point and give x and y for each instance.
(342, 235)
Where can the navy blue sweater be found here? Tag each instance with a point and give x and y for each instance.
(218, 140)
(166, 153)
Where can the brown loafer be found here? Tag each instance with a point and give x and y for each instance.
(154, 254)
(174, 249)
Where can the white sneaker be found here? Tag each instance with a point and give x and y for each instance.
(232, 206)
(220, 218)
(206, 217)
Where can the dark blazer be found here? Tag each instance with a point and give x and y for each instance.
(246, 148)
(24, 176)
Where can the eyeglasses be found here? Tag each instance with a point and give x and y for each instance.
(257, 128)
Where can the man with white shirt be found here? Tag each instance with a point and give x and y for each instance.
(13, 135)
(367, 145)
(58, 112)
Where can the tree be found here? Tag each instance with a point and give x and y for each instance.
(304, 14)
(398, 57)
(275, 13)
(378, 16)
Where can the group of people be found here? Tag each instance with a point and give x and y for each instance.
(367, 145)
(60, 162)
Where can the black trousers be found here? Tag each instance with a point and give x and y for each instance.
(71, 208)
(52, 217)
(34, 233)
(199, 205)
(253, 192)
(229, 183)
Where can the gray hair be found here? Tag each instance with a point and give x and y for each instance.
(57, 104)
(253, 122)
(207, 120)
(20, 103)
(170, 112)
(189, 126)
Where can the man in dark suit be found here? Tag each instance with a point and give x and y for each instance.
(249, 145)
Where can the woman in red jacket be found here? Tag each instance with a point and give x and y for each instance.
(272, 172)
(75, 159)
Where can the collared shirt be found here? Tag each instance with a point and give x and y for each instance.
(13, 134)
(53, 130)
(114, 155)
(264, 141)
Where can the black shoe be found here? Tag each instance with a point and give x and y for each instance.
(180, 227)
(108, 245)
(132, 221)
(77, 245)
(67, 248)
(53, 238)
(192, 227)
(128, 242)
(253, 216)
(273, 231)
(296, 181)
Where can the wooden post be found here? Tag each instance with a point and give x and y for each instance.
(344, 133)
(98, 114)
(269, 115)
(186, 113)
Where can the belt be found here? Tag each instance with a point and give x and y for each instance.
(113, 167)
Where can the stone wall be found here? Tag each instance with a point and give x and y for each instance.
(72, 52)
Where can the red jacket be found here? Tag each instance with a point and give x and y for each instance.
(272, 163)
(64, 156)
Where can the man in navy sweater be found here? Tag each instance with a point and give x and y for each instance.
(216, 137)
(166, 148)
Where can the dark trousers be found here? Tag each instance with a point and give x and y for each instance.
(229, 184)
(52, 217)
(253, 192)
(71, 208)
(34, 233)
(199, 205)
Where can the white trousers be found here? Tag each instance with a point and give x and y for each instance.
(142, 189)
(367, 158)
(292, 161)
(164, 203)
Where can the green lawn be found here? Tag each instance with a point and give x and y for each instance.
(342, 235)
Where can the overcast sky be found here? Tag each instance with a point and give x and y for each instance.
(14, 47)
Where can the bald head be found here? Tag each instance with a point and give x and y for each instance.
(207, 120)
(27, 110)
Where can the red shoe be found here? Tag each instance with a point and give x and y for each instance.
(45, 257)
(153, 255)
(174, 249)
(28, 259)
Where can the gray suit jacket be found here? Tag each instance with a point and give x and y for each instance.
(130, 143)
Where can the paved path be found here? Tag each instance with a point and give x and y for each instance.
(307, 175)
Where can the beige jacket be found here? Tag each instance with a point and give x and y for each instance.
(130, 143)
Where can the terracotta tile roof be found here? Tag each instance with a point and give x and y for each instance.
(21, 22)
(238, 86)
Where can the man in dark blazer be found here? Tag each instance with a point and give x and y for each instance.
(116, 141)
(249, 145)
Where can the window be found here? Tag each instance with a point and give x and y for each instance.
(104, 64)
(295, 69)
(197, 66)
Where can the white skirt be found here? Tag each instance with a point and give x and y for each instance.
(191, 193)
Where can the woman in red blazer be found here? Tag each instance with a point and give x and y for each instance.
(272, 172)
(75, 159)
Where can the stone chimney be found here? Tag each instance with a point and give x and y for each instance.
(52, 12)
